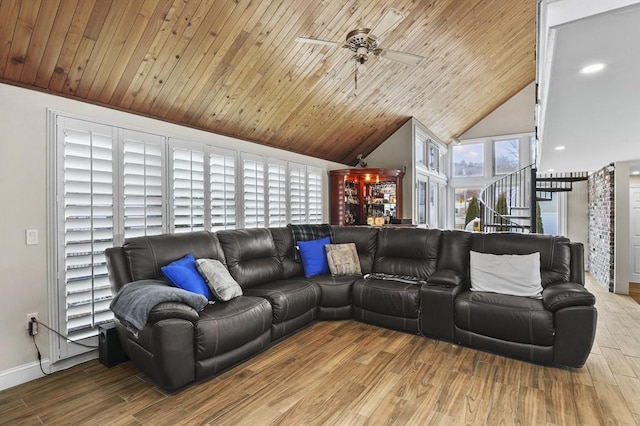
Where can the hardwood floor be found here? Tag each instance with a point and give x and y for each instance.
(352, 373)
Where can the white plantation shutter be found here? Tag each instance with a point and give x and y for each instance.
(297, 193)
(86, 212)
(113, 183)
(277, 192)
(188, 190)
(315, 196)
(222, 181)
(143, 187)
(253, 191)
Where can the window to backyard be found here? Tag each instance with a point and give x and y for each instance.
(468, 160)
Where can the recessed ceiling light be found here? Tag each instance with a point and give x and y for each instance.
(559, 148)
(551, 170)
(635, 173)
(590, 69)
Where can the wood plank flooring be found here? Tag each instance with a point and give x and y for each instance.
(351, 373)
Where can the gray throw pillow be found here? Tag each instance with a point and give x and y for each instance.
(343, 259)
(218, 279)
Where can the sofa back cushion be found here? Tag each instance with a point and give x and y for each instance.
(454, 251)
(407, 251)
(251, 256)
(285, 250)
(146, 255)
(365, 239)
(555, 254)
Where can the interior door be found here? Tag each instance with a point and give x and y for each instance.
(634, 235)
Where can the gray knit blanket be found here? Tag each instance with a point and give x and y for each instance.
(132, 304)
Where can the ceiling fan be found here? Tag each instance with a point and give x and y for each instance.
(365, 41)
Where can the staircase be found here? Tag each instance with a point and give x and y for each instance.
(509, 204)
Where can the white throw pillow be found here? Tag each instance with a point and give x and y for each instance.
(513, 274)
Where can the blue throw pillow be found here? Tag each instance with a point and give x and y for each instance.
(183, 273)
(314, 256)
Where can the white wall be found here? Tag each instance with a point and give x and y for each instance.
(621, 242)
(23, 204)
(397, 153)
(514, 116)
(578, 215)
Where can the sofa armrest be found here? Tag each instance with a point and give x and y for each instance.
(172, 310)
(562, 295)
(446, 278)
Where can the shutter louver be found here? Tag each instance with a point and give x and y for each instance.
(143, 208)
(297, 193)
(277, 193)
(188, 190)
(314, 185)
(253, 193)
(222, 178)
(88, 213)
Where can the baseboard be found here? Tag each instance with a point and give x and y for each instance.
(22, 374)
(27, 372)
(634, 291)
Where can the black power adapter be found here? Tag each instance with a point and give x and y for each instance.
(33, 326)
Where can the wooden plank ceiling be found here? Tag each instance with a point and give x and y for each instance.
(233, 67)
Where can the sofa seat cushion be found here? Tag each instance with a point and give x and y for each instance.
(224, 326)
(334, 291)
(511, 318)
(387, 297)
(288, 298)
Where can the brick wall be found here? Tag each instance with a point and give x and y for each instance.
(601, 226)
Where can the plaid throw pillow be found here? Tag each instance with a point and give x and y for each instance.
(308, 233)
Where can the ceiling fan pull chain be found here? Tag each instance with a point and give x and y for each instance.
(355, 76)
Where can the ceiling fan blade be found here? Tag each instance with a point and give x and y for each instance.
(389, 20)
(402, 57)
(318, 41)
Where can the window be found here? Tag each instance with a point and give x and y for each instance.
(465, 206)
(433, 205)
(188, 190)
(468, 160)
(314, 186)
(297, 193)
(434, 157)
(222, 182)
(253, 191)
(142, 158)
(86, 217)
(506, 156)
(422, 202)
(113, 183)
(277, 192)
(420, 152)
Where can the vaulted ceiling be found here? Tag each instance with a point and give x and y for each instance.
(233, 67)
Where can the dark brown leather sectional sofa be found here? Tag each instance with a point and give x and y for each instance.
(179, 345)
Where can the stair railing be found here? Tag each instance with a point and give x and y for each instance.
(519, 191)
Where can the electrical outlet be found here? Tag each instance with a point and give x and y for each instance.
(31, 315)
